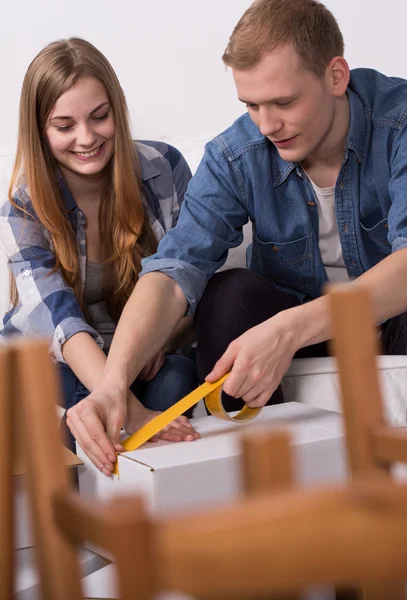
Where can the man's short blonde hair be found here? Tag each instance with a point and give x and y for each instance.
(306, 25)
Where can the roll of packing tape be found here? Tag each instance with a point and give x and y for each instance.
(214, 404)
(211, 392)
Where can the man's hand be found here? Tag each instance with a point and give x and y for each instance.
(258, 360)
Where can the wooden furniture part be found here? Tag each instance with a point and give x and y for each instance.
(276, 541)
(372, 445)
(6, 478)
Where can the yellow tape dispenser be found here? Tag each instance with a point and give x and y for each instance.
(212, 394)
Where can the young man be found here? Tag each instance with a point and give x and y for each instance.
(319, 166)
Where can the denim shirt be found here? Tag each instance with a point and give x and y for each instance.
(242, 177)
(48, 306)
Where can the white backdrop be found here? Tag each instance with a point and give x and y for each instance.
(168, 58)
(168, 54)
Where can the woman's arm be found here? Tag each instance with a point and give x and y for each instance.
(183, 335)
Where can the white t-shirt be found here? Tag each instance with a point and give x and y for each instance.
(329, 242)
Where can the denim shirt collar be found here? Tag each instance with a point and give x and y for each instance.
(355, 141)
(148, 171)
(357, 125)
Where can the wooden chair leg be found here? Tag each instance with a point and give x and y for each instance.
(267, 465)
(6, 478)
(267, 462)
(133, 549)
(37, 394)
(355, 343)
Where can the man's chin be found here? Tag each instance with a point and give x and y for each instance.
(291, 154)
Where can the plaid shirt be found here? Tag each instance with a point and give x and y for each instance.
(48, 306)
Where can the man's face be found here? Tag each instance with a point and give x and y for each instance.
(292, 107)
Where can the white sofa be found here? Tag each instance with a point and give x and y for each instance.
(312, 381)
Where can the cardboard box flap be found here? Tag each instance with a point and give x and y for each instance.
(70, 459)
(226, 435)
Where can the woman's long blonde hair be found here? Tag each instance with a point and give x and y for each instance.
(124, 226)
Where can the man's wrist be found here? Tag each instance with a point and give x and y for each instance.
(287, 322)
(307, 323)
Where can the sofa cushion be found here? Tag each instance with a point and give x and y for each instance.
(314, 381)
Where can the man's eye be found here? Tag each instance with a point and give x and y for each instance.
(252, 106)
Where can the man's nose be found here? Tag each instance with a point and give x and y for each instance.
(270, 123)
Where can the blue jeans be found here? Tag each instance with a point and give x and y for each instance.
(176, 378)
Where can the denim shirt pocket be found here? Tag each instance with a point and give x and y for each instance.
(287, 263)
(375, 238)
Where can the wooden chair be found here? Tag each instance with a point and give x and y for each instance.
(272, 543)
(371, 444)
(125, 532)
(6, 479)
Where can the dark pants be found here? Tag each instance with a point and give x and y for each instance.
(237, 300)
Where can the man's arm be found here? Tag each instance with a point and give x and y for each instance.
(152, 312)
(384, 284)
(260, 357)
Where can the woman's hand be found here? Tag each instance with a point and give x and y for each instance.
(95, 422)
(177, 431)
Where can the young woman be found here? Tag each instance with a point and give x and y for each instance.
(86, 204)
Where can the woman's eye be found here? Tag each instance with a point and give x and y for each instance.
(101, 118)
(64, 128)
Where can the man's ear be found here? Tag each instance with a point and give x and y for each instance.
(338, 75)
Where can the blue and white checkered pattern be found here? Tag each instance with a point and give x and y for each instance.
(48, 306)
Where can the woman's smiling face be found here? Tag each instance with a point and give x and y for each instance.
(80, 128)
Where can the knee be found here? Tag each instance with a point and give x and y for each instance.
(228, 294)
(180, 374)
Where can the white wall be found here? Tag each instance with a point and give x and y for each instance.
(168, 53)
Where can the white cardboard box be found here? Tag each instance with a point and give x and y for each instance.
(185, 475)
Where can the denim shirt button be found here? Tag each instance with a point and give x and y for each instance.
(311, 203)
(274, 248)
(386, 225)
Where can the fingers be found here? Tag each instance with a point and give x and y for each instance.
(113, 427)
(238, 378)
(185, 421)
(179, 430)
(93, 440)
(223, 365)
(260, 400)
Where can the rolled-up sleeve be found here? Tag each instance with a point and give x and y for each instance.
(47, 305)
(210, 224)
